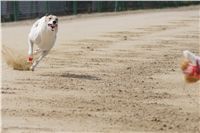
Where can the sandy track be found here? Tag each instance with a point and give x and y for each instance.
(106, 74)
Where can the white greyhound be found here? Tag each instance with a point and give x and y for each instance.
(43, 34)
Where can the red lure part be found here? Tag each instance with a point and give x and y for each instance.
(193, 70)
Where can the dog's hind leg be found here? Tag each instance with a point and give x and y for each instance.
(30, 50)
(35, 63)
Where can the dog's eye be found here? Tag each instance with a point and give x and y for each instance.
(49, 18)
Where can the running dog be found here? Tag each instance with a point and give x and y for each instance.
(43, 34)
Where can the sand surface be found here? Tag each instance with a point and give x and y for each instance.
(109, 73)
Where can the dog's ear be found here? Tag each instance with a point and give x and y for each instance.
(46, 17)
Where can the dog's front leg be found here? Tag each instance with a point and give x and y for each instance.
(35, 63)
(30, 50)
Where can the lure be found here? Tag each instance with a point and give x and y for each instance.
(191, 71)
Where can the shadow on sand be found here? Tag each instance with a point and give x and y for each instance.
(71, 75)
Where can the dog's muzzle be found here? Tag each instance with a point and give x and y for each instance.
(53, 26)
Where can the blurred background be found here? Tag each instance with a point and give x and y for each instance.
(21, 10)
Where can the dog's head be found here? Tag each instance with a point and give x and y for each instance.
(52, 22)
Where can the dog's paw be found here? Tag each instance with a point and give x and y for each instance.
(32, 68)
